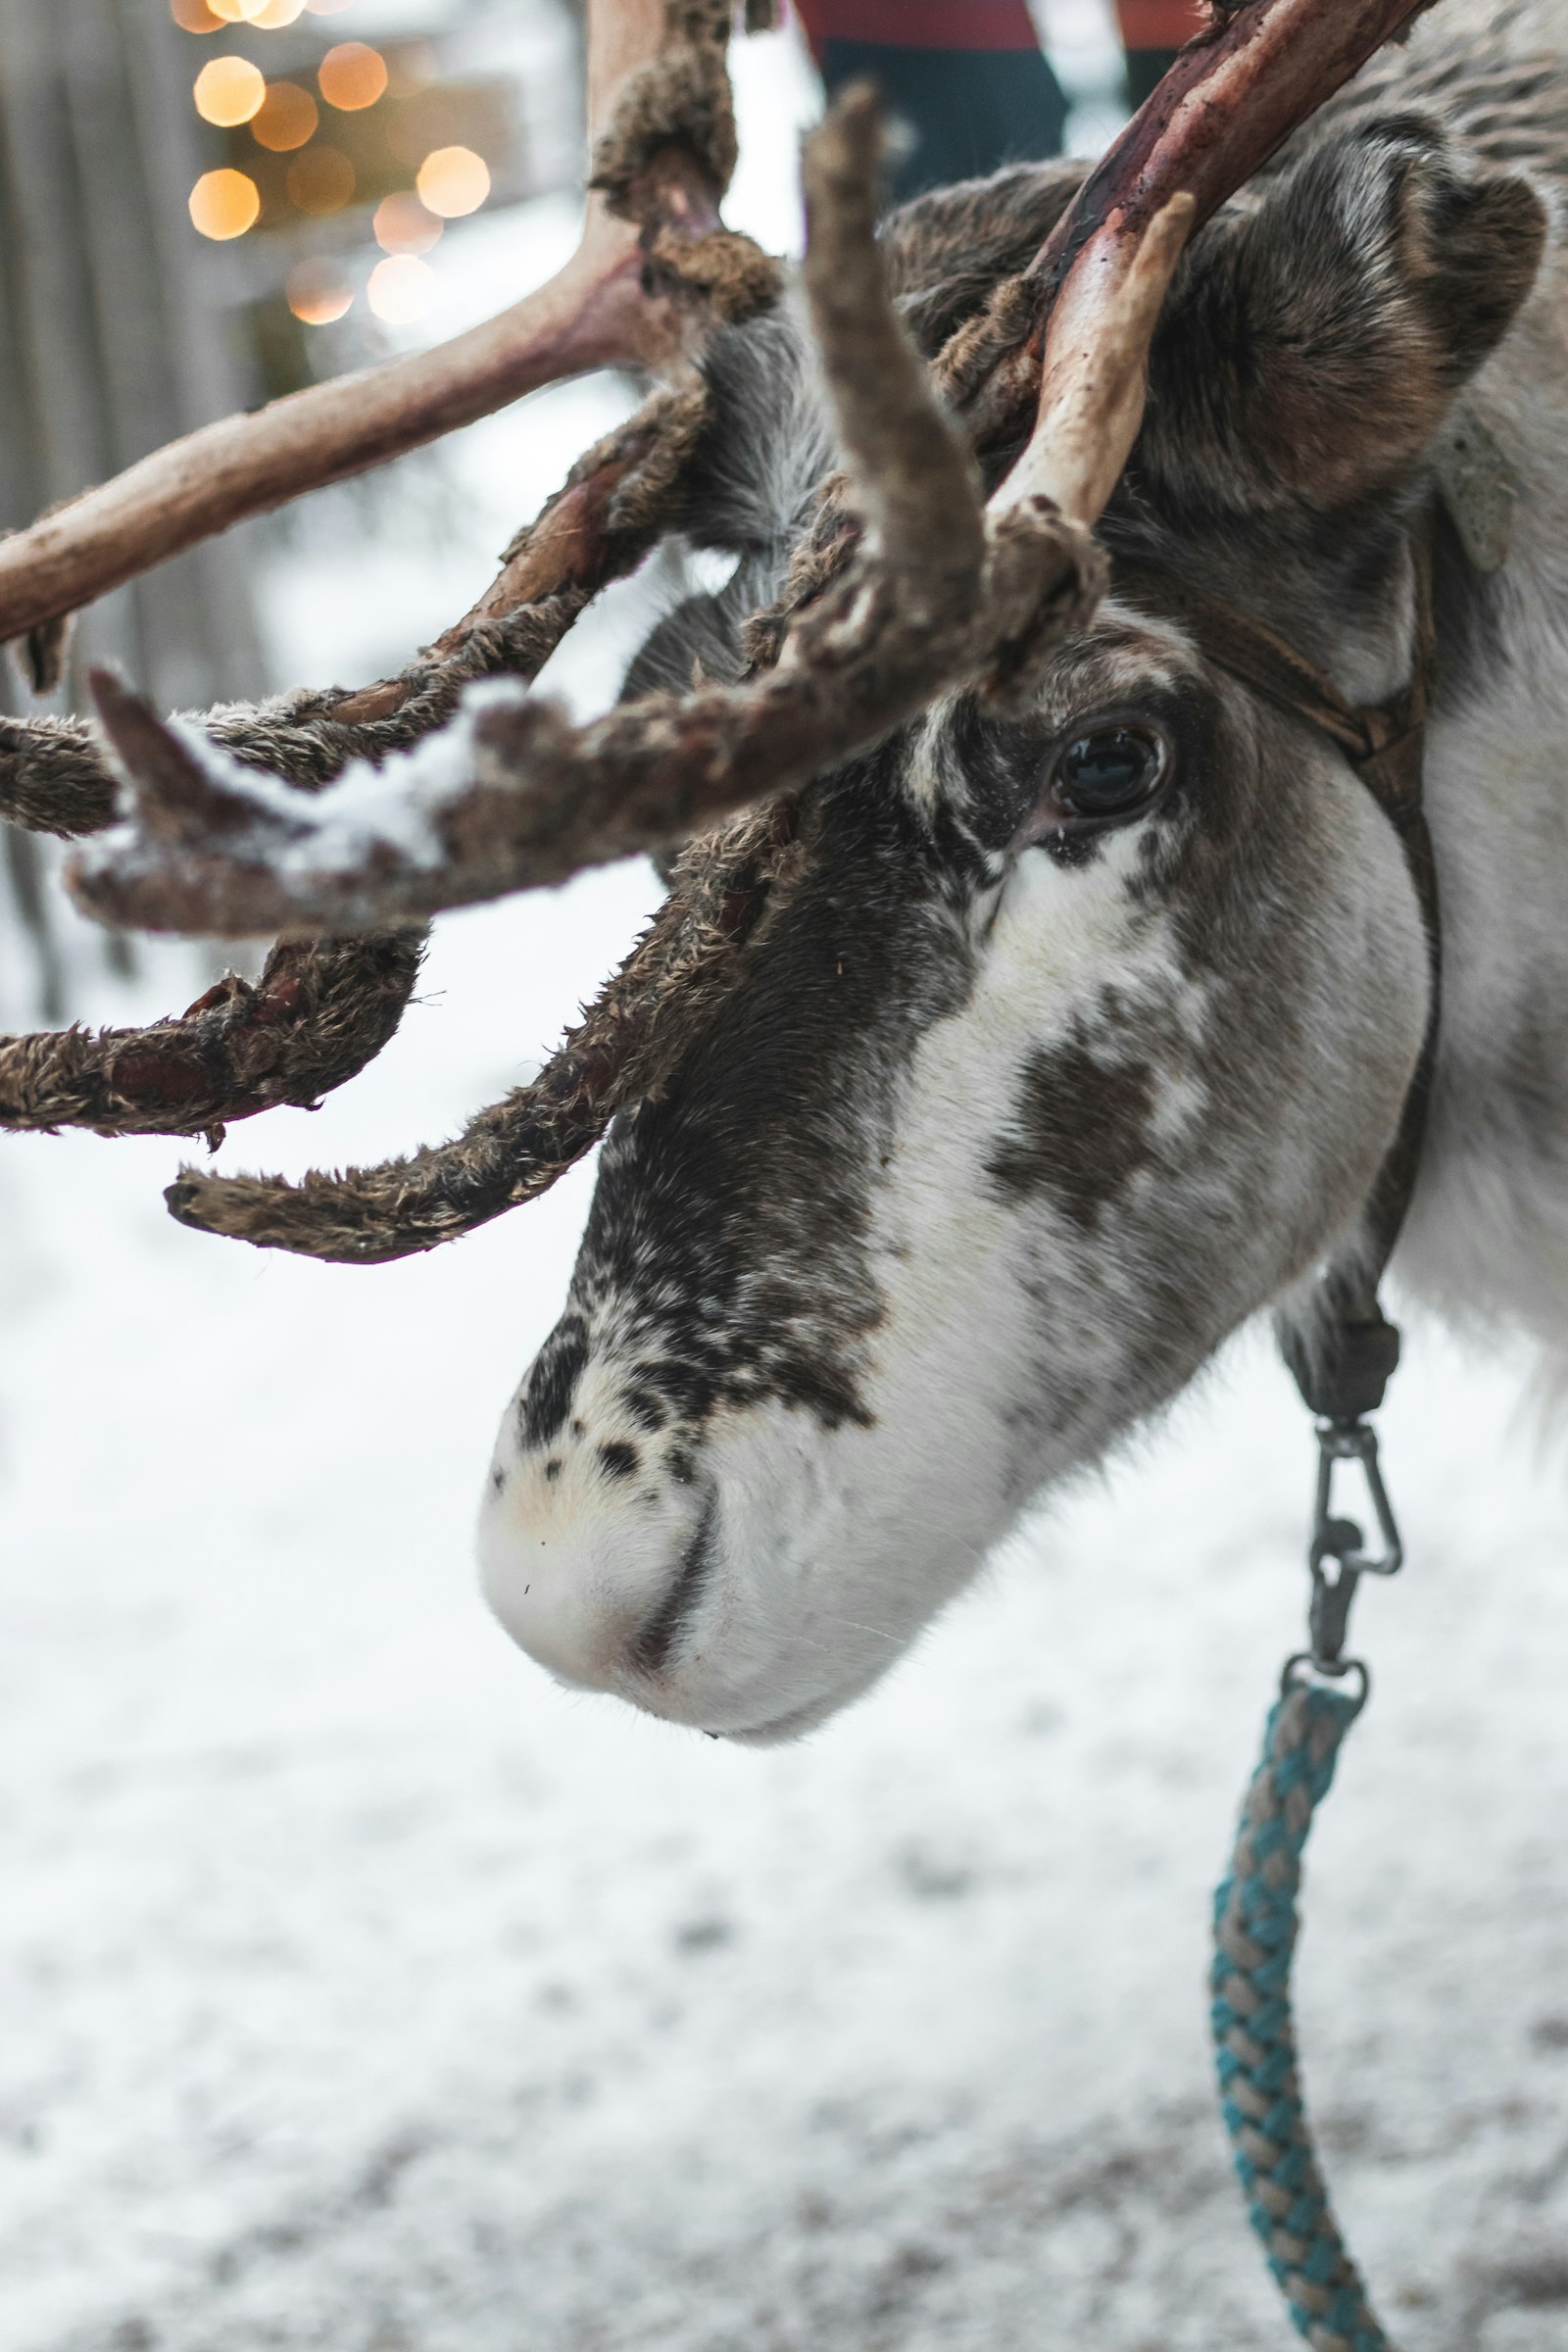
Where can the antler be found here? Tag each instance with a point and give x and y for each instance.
(934, 595)
(660, 170)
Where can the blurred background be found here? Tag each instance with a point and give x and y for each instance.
(358, 1988)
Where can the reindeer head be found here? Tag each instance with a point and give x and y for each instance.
(1053, 1009)
(1080, 1038)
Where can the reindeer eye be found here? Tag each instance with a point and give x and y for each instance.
(1110, 773)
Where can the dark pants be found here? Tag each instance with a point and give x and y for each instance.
(1145, 68)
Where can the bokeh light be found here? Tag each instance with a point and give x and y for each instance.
(224, 204)
(288, 117)
(278, 13)
(402, 224)
(320, 180)
(319, 293)
(194, 16)
(400, 289)
(238, 12)
(452, 181)
(230, 90)
(351, 75)
(328, 8)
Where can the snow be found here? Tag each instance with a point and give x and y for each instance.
(363, 1992)
(371, 819)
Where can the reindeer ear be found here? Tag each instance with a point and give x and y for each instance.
(1316, 340)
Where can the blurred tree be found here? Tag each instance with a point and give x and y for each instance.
(112, 339)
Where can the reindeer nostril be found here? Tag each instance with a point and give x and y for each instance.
(652, 1646)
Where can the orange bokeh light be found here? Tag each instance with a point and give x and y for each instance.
(320, 180)
(194, 16)
(353, 75)
(288, 117)
(278, 13)
(230, 90)
(224, 204)
(452, 181)
(402, 224)
(319, 293)
(237, 12)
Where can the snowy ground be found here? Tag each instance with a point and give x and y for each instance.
(362, 1991)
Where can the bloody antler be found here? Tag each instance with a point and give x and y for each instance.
(617, 502)
(1228, 103)
(514, 796)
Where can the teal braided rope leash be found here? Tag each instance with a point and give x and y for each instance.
(1343, 1352)
(1255, 1924)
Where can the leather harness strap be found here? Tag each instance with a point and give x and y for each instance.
(1345, 1367)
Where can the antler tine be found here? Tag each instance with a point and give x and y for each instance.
(653, 254)
(619, 499)
(54, 778)
(318, 1015)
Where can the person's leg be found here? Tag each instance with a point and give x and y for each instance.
(965, 78)
(1152, 32)
(1146, 69)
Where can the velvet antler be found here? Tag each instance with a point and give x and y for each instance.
(316, 1015)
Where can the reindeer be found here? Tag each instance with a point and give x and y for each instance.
(1056, 1007)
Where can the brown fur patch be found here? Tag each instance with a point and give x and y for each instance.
(1080, 1133)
